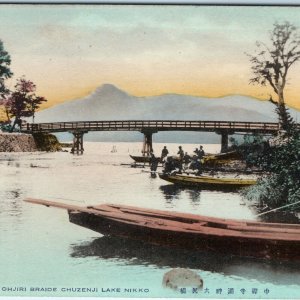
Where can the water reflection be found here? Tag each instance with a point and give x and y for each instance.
(12, 204)
(170, 191)
(194, 195)
(137, 253)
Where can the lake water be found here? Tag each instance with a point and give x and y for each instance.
(40, 249)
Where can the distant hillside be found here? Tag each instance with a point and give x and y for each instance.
(110, 103)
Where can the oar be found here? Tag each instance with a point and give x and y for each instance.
(275, 209)
(146, 171)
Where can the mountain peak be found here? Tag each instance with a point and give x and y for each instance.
(109, 89)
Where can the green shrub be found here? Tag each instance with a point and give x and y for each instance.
(47, 142)
(282, 162)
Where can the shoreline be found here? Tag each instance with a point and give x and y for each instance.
(24, 142)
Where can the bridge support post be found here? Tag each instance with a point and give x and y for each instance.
(147, 144)
(77, 147)
(224, 139)
(224, 142)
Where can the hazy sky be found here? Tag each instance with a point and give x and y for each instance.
(69, 50)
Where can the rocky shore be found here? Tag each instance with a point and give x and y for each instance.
(17, 142)
(21, 142)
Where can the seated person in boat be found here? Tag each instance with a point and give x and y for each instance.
(196, 165)
(172, 166)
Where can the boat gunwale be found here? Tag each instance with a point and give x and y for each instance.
(195, 217)
(209, 231)
(178, 178)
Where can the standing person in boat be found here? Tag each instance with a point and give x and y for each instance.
(181, 156)
(186, 160)
(164, 153)
(201, 153)
(180, 153)
(153, 162)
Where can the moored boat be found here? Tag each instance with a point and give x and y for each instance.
(221, 158)
(207, 182)
(188, 231)
(226, 155)
(140, 159)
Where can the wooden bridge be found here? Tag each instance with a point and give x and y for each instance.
(224, 128)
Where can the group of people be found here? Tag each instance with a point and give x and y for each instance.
(180, 162)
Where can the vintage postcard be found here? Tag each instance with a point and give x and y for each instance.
(149, 151)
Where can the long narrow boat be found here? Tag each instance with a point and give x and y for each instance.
(188, 231)
(231, 155)
(140, 159)
(207, 182)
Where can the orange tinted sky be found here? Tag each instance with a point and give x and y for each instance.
(70, 50)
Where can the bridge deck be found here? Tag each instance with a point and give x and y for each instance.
(152, 126)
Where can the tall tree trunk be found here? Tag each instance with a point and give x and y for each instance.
(14, 125)
(7, 115)
(283, 117)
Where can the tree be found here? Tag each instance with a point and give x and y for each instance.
(23, 102)
(271, 63)
(5, 72)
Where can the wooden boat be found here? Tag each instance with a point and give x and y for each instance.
(221, 158)
(227, 155)
(207, 182)
(188, 231)
(140, 159)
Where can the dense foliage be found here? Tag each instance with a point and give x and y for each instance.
(5, 71)
(281, 184)
(23, 102)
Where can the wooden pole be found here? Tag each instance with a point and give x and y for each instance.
(224, 142)
(275, 209)
(77, 142)
(147, 144)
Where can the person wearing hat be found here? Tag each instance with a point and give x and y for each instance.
(164, 153)
(180, 153)
(196, 151)
(201, 152)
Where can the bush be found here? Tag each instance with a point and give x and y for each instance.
(283, 163)
(47, 142)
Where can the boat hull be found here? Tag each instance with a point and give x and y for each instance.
(202, 182)
(188, 231)
(283, 250)
(232, 155)
(140, 159)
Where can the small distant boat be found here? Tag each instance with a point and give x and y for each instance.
(188, 231)
(140, 159)
(207, 182)
(114, 149)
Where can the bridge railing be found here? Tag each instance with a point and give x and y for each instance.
(139, 125)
